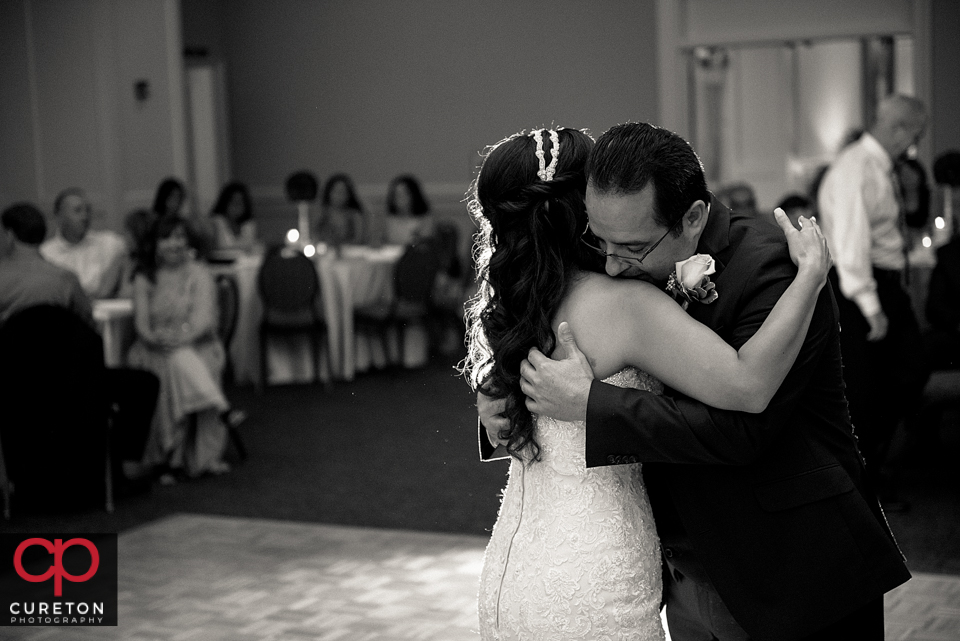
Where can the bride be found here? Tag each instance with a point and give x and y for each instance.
(574, 553)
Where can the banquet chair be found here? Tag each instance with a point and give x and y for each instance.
(449, 292)
(290, 292)
(55, 434)
(228, 310)
(413, 281)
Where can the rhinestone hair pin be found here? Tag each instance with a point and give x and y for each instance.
(546, 171)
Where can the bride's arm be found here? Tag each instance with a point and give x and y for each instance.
(664, 340)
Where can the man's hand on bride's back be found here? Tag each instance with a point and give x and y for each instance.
(558, 389)
(808, 248)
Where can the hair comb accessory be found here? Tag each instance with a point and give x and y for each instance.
(546, 172)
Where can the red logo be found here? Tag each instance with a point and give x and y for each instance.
(56, 570)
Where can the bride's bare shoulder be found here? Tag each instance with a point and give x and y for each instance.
(604, 314)
(595, 294)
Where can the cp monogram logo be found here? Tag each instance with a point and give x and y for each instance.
(56, 570)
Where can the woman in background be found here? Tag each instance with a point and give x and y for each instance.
(232, 217)
(408, 211)
(170, 199)
(342, 219)
(175, 319)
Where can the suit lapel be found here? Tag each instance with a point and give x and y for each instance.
(714, 241)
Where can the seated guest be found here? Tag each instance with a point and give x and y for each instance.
(795, 206)
(175, 317)
(170, 199)
(96, 257)
(26, 278)
(342, 219)
(408, 211)
(232, 219)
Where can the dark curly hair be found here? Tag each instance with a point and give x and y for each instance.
(161, 228)
(353, 202)
(418, 203)
(223, 204)
(526, 251)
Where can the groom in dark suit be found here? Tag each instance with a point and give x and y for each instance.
(767, 525)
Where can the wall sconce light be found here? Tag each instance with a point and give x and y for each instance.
(141, 90)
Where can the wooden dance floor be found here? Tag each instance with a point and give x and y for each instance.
(207, 578)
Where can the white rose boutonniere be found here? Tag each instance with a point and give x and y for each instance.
(691, 281)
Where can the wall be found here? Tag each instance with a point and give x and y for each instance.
(379, 88)
(68, 113)
(945, 103)
(18, 178)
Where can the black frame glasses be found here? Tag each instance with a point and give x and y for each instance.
(631, 260)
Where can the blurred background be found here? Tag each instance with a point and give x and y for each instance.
(290, 97)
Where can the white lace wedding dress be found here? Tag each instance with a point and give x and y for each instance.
(574, 553)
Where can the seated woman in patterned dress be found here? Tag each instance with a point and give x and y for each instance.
(175, 318)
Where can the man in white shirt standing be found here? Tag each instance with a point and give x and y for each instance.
(96, 257)
(860, 213)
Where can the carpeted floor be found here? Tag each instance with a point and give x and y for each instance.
(393, 449)
(398, 450)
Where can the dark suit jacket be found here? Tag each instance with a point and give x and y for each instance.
(773, 504)
(943, 306)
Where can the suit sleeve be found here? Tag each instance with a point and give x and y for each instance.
(487, 451)
(680, 429)
(942, 310)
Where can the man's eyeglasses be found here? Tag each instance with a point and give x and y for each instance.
(600, 246)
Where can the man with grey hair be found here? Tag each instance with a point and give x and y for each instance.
(861, 213)
(96, 257)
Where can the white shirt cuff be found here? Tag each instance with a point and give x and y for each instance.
(869, 303)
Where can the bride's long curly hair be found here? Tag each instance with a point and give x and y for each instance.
(526, 251)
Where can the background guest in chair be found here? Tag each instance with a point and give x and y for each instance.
(232, 219)
(408, 212)
(170, 199)
(26, 279)
(175, 318)
(96, 257)
(342, 218)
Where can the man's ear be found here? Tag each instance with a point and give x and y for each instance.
(695, 217)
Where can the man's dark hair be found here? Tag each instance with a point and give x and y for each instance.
(26, 222)
(630, 156)
(69, 191)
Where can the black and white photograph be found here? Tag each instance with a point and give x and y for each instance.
(489, 320)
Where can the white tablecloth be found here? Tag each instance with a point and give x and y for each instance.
(114, 318)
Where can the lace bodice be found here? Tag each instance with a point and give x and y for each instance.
(574, 553)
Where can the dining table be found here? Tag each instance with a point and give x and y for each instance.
(350, 276)
(114, 319)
